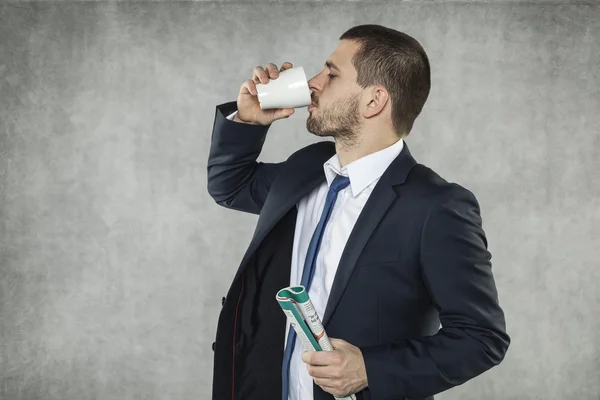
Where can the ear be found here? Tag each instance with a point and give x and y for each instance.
(378, 99)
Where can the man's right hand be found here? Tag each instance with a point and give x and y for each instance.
(249, 110)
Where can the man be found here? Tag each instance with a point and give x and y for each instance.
(396, 251)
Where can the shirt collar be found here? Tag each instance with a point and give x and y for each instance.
(365, 170)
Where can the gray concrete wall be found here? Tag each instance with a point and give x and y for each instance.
(114, 259)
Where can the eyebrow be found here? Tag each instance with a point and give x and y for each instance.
(331, 65)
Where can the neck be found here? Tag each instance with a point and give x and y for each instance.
(350, 152)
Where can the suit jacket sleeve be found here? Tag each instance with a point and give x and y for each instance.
(235, 179)
(456, 270)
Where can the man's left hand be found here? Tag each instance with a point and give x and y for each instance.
(340, 372)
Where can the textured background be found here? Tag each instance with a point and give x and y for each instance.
(114, 259)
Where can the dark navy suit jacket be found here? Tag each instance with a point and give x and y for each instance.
(417, 256)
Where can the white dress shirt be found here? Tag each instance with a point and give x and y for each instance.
(363, 173)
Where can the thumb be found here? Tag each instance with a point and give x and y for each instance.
(284, 113)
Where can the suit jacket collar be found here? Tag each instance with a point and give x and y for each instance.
(399, 169)
(364, 171)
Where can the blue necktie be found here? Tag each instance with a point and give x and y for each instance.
(339, 183)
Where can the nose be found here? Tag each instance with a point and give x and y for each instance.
(315, 85)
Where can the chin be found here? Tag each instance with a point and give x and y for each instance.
(320, 133)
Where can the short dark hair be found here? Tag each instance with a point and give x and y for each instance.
(397, 62)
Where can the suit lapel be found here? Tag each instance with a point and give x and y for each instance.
(379, 202)
(297, 179)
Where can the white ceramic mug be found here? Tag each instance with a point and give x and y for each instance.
(289, 90)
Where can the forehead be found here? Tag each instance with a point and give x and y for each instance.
(342, 56)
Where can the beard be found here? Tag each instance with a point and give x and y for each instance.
(340, 121)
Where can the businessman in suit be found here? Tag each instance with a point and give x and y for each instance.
(387, 248)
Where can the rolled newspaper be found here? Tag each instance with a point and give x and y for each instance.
(304, 319)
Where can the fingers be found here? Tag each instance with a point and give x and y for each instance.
(323, 372)
(321, 357)
(286, 65)
(272, 70)
(262, 75)
(249, 87)
(327, 384)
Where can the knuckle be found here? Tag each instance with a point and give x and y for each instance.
(272, 68)
(259, 72)
(249, 84)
